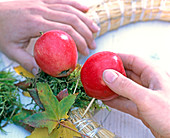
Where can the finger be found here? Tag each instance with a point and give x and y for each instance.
(125, 87)
(131, 75)
(75, 22)
(134, 63)
(45, 25)
(72, 3)
(79, 40)
(67, 8)
(149, 74)
(26, 60)
(124, 105)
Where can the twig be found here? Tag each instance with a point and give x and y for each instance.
(88, 107)
(76, 85)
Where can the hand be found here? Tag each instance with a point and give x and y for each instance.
(23, 19)
(145, 94)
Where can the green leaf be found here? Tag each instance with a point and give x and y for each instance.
(65, 104)
(54, 110)
(18, 119)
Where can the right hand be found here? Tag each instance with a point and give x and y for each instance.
(145, 94)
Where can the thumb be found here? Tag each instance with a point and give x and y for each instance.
(124, 86)
(25, 59)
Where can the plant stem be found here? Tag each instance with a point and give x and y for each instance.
(72, 129)
(60, 123)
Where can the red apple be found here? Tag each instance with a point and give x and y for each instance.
(56, 53)
(92, 72)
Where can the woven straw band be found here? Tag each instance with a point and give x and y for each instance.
(111, 14)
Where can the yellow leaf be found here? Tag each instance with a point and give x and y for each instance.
(64, 132)
(26, 94)
(21, 71)
(61, 132)
(39, 133)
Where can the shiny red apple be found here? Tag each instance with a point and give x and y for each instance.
(92, 72)
(56, 53)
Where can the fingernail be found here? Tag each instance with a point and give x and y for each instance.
(96, 27)
(109, 76)
(86, 7)
(34, 71)
(93, 44)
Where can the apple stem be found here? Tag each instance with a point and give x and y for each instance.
(76, 85)
(41, 33)
(88, 107)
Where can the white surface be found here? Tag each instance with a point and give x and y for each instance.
(148, 40)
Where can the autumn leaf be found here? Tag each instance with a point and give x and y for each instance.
(62, 94)
(23, 114)
(61, 132)
(54, 110)
(21, 71)
(65, 132)
(34, 94)
(24, 85)
(26, 94)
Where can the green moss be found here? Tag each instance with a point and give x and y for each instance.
(71, 82)
(9, 96)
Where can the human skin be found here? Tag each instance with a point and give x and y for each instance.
(22, 20)
(144, 94)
